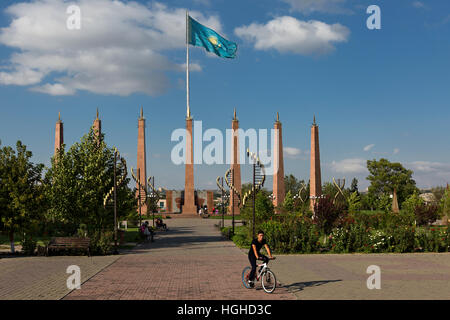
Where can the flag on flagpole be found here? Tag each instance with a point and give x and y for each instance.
(199, 35)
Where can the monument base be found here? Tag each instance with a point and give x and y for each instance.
(189, 210)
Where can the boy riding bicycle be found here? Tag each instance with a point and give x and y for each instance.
(254, 254)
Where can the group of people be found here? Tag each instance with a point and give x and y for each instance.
(204, 210)
(148, 232)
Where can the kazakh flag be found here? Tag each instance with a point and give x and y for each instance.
(199, 35)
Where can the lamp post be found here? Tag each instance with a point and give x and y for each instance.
(152, 197)
(115, 203)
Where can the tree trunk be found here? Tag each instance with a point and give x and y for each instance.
(11, 240)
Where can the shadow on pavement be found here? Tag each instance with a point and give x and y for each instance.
(299, 286)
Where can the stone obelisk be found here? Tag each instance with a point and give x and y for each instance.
(97, 126)
(235, 164)
(395, 207)
(59, 134)
(189, 193)
(141, 159)
(278, 165)
(315, 177)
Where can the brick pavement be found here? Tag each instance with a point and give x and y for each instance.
(191, 261)
(44, 278)
(331, 276)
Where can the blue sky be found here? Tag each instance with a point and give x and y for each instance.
(375, 93)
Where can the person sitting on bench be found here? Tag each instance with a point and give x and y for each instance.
(160, 224)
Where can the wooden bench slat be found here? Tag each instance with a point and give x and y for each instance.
(69, 242)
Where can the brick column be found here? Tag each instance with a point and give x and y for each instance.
(189, 195)
(278, 165)
(97, 126)
(169, 201)
(142, 158)
(395, 207)
(315, 177)
(235, 164)
(59, 135)
(210, 200)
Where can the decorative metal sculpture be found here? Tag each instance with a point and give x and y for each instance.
(219, 185)
(154, 194)
(142, 196)
(230, 183)
(142, 193)
(261, 177)
(121, 180)
(339, 185)
(299, 194)
(224, 197)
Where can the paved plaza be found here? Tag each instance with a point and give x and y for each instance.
(193, 261)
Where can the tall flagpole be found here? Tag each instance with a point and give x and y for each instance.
(187, 65)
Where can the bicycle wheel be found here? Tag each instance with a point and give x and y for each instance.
(245, 274)
(268, 281)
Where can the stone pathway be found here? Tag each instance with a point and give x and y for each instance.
(190, 261)
(44, 278)
(330, 276)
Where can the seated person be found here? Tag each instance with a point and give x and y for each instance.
(160, 224)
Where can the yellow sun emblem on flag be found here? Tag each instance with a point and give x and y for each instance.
(214, 41)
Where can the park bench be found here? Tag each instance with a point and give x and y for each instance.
(240, 222)
(63, 243)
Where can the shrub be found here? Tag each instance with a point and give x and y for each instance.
(327, 212)
(28, 245)
(241, 240)
(384, 203)
(354, 202)
(426, 214)
(101, 242)
(410, 204)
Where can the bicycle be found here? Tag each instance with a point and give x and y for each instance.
(268, 280)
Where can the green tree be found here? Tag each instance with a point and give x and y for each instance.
(264, 210)
(354, 186)
(291, 184)
(77, 183)
(354, 202)
(21, 194)
(288, 203)
(438, 192)
(445, 206)
(386, 176)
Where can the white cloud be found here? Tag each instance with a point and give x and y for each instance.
(311, 6)
(418, 4)
(120, 48)
(368, 147)
(288, 34)
(429, 166)
(429, 174)
(291, 152)
(353, 166)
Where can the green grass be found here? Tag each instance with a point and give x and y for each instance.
(131, 235)
(4, 240)
(226, 217)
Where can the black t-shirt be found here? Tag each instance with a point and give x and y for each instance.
(258, 245)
